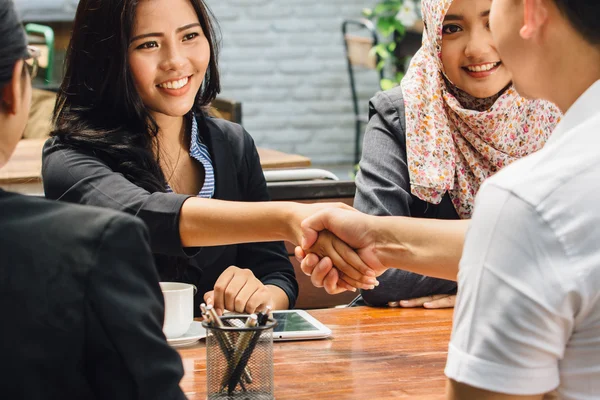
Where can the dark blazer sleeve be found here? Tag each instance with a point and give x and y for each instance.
(383, 188)
(78, 177)
(124, 314)
(268, 261)
(383, 182)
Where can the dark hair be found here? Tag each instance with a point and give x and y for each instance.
(13, 44)
(584, 16)
(98, 109)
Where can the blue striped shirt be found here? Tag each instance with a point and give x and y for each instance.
(199, 151)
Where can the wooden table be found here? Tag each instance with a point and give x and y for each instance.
(273, 159)
(23, 173)
(373, 354)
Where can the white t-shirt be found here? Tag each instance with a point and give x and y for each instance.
(527, 318)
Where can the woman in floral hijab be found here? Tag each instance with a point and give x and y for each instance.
(455, 121)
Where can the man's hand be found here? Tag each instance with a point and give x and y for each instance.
(351, 227)
(298, 212)
(322, 273)
(351, 269)
(240, 291)
(356, 229)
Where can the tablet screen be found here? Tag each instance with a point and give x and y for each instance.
(292, 322)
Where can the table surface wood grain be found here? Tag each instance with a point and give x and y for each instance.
(374, 353)
(25, 165)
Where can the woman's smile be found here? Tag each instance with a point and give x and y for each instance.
(482, 70)
(176, 87)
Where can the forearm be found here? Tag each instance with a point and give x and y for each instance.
(460, 391)
(425, 246)
(208, 222)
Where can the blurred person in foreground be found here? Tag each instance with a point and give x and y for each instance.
(82, 309)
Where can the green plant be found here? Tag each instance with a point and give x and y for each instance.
(391, 17)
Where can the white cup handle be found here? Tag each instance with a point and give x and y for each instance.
(195, 289)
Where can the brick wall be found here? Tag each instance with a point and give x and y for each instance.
(284, 60)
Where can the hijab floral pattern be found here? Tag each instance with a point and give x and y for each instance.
(452, 144)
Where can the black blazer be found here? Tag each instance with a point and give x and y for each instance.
(73, 175)
(82, 311)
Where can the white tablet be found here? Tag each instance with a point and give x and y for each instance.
(298, 325)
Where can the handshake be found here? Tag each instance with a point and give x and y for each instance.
(338, 249)
(344, 249)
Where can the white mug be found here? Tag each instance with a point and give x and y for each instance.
(179, 308)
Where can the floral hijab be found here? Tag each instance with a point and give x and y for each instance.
(451, 148)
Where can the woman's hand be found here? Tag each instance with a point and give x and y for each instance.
(434, 301)
(240, 291)
(322, 273)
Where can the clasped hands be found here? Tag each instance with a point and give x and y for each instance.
(338, 250)
(343, 249)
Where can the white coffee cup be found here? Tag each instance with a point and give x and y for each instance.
(179, 308)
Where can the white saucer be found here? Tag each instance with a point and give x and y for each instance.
(195, 333)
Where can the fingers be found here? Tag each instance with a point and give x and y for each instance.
(299, 253)
(434, 301)
(312, 225)
(349, 255)
(342, 284)
(346, 260)
(319, 221)
(324, 275)
(241, 299)
(350, 273)
(320, 272)
(240, 291)
(351, 284)
(309, 264)
(332, 283)
(209, 297)
(444, 302)
(259, 300)
(221, 286)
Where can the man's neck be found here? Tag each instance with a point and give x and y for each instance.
(573, 72)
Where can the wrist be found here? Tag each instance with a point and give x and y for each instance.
(279, 298)
(389, 246)
(289, 219)
(282, 216)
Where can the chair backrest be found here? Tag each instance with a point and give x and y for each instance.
(360, 52)
(359, 48)
(229, 110)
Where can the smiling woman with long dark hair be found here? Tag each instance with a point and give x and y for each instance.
(131, 134)
(99, 108)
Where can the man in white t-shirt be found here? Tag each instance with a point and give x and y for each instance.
(527, 319)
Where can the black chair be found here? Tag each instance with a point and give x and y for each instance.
(359, 55)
